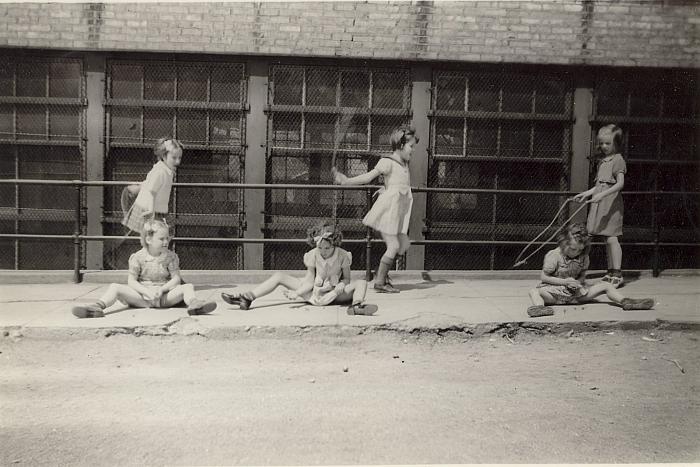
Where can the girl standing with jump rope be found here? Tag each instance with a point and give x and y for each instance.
(606, 206)
(154, 193)
(564, 274)
(327, 278)
(391, 212)
(154, 279)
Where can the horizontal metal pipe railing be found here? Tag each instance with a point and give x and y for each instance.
(77, 237)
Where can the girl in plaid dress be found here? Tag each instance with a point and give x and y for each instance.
(154, 279)
(564, 276)
(154, 193)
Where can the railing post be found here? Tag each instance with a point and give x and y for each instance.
(368, 241)
(76, 233)
(656, 268)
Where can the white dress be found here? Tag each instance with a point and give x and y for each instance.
(391, 213)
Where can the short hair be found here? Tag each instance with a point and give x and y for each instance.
(616, 133)
(150, 227)
(327, 230)
(161, 150)
(577, 233)
(401, 136)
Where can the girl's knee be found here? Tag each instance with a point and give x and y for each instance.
(612, 241)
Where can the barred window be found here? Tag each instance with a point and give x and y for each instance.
(660, 145)
(42, 136)
(499, 131)
(203, 105)
(315, 112)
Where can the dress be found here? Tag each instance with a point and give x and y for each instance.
(158, 180)
(154, 271)
(605, 217)
(391, 213)
(329, 272)
(559, 265)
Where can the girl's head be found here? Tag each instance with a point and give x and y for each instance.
(155, 236)
(325, 236)
(574, 241)
(169, 150)
(609, 139)
(403, 140)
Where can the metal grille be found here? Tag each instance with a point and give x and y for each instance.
(42, 136)
(317, 115)
(661, 150)
(495, 131)
(203, 105)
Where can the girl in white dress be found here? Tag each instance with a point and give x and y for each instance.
(391, 212)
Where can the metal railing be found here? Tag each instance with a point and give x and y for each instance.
(79, 218)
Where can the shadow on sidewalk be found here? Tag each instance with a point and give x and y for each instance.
(426, 284)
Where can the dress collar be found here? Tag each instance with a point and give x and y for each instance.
(165, 167)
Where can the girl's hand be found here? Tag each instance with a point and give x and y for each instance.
(147, 213)
(572, 283)
(580, 197)
(340, 288)
(338, 178)
(290, 294)
(150, 295)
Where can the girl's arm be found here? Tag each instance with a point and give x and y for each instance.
(548, 279)
(139, 287)
(619, 185)
(345, 281)
(363, 179)
(174, 281)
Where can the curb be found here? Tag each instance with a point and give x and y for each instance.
(188, 326)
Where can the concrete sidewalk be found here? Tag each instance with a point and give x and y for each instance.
(426, 303)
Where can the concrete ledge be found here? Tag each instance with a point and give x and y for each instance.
(231, 277)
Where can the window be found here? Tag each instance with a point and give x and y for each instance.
(42, 133)
(203, 105)
(495, 131)
(315, 113)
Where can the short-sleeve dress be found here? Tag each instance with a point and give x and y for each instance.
(329, 272)
(605, 217)
(558, 265)
(391, 211)
(154, 271)
(160, 181)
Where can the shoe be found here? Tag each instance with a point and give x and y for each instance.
(240, 300)
(616, 281)
(385, 288)
(535, 311)
(88, 311)
(200, 307)
(637, 303)
(606, 278)
(363, 309)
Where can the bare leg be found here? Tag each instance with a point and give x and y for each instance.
(614, 252)
(354, 292)
(125, 294)
(404, 243)
(603, 288)
(272, 282)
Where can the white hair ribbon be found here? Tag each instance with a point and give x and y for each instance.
(323, 236)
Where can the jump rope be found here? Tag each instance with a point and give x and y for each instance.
(519, 262)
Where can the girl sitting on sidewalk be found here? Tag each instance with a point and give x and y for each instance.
(564, 274)
(154, 279)
(327, 278)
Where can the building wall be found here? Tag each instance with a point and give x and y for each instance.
(626, 33)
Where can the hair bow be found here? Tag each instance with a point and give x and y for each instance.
(323, 236)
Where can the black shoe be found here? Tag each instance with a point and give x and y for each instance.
(535, 311)
(240, 300)
(88, 311)
(200, 307)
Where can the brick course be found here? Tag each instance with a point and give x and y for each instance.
(651, 33)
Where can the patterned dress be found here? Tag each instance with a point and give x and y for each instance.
(559, 265)
(154, 271)
(605, 217)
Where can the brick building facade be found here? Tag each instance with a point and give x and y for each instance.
(507, 93)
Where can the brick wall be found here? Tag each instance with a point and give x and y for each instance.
(651, 33)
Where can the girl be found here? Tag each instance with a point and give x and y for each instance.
(605, 214)
(327, 278)
(392, 210)
(154, 193)
(154, 279)
(564, 274)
